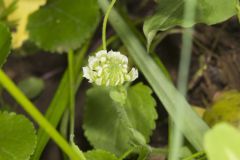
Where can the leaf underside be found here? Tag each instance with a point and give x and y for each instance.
(170, 13)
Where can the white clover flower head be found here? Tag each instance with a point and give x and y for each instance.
(109, 69)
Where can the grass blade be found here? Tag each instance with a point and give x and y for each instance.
(194, 127)
(58, 104)
(61, 98)
(183, 74)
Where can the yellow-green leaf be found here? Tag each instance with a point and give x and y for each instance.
(222, 143)
(24, 9)
(226, 108)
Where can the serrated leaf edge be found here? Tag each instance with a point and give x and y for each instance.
(32, 127)
(153, 126)
(155, 116)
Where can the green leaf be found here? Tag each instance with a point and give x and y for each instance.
(225, 109)
(5, 11)
(17, 137)
(100, 155)
(18, 18)
(5, 43)
(222, 143)
(62, 25)
(194, 127)
(31, 86)
(104, 122)
(170, 14)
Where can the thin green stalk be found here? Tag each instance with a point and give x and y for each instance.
(72, 102)
(160, 37)
(71, 94)
(104, 28)
(194, 127)
(161, 65)
(61, 100)
(183, 73)
(37, 116)
(125, 120)
(143, 41)
(196, 155)
(64, 124)
(160, 151)
(64, 128)
(124, 155)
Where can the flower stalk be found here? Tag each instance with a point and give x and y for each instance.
(29, 107)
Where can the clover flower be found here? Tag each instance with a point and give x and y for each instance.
(109, 69)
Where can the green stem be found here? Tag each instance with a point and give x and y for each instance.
(71, 81)
(159, 151)
(37, 116)
(124, 156)
(58, 104)
(183, 74)
(64, 124)
(71, 94)
(194, 127)
(60, 101)
(104, 28)
(198, 154)
(136, 137)
(64, 128)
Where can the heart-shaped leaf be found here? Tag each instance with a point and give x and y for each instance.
(104, 122)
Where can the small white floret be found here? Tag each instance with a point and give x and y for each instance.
(109, 69)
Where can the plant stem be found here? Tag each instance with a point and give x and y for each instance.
(124, 155)
(71, 94)
(60, 101)
(104, 28)
(64, 124)
(183, 73)
(58, 104)
(198, 154)
(71, 80)
(37, 116)
(194, 127)
(64, 128)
